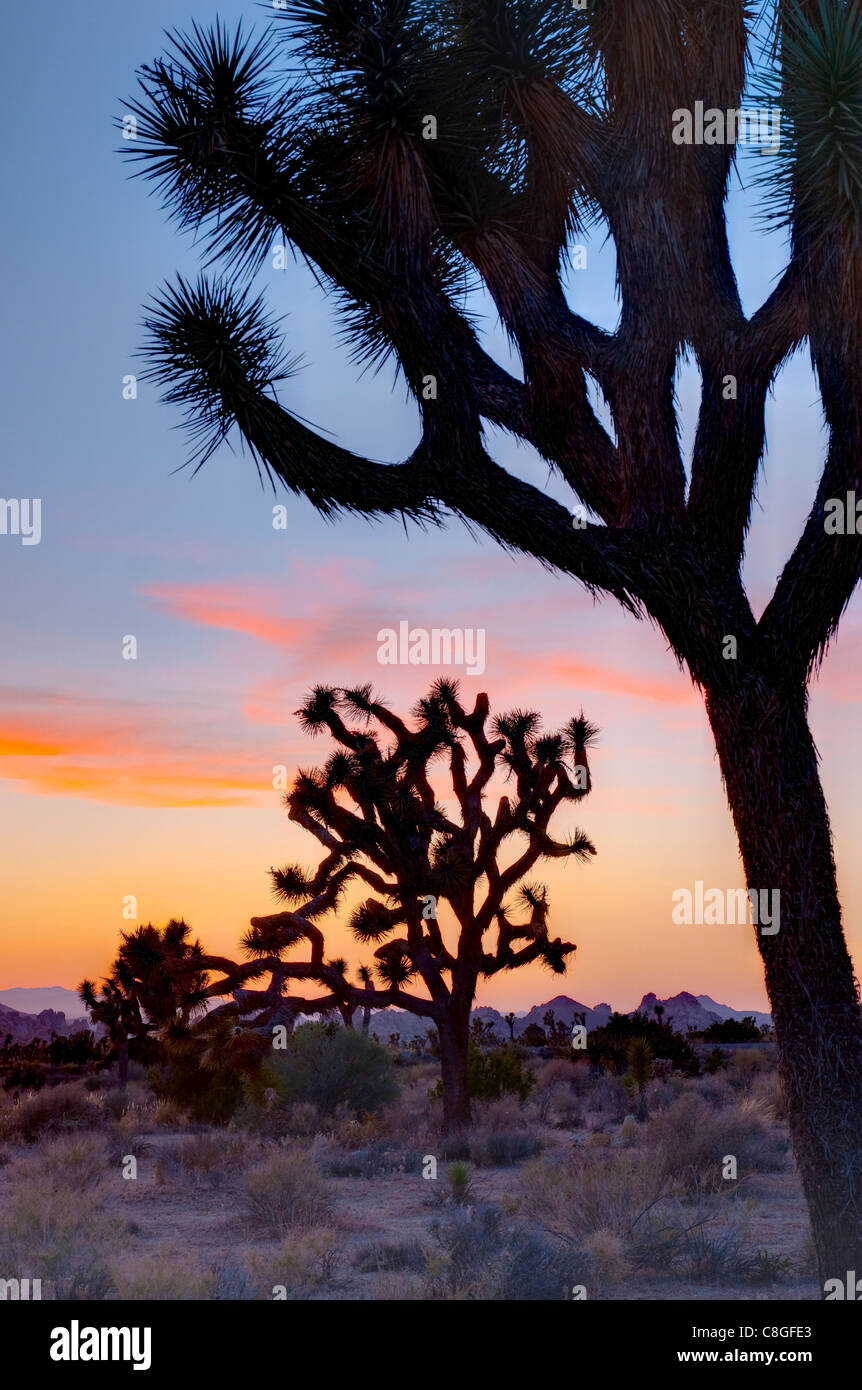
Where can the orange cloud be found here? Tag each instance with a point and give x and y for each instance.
(122, 753)
(231, 609)
(616, 682)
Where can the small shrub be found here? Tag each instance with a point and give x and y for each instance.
(495, 1147)
(300, 1264)
(166, 1275)
(286, 1191)
(78, 1162)
(481, 1258)
(214, 1152)
(390, 1256)
(458, 1175)
(374, 1161)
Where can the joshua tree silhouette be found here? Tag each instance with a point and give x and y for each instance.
(397, 840)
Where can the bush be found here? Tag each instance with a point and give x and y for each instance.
(58, 1234)
(592, 1189)
(48, 1111)
(210, 1095)
(78, 1162)
(213, 1154)
(480, 1258)
(388, 1256)
(332, 1067)
(300, 1264)
(733, 1030)
(690, 1139)
(492, 1075)
(165, 1275)
(611, 1043)
(287, 1191)
(374, 1160)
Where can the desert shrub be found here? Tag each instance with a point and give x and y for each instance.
(212, 1153)
(49, 1111)
(501, 1072)
(606, 1103)
(25, 1076)
(77, 1162)
(496, 1146)
(609, 1252)
(332, 1067)
(286, 1191)
(747, 1064)
(58, 1233)
(167, 1115)
(611, 1043)
(165, 1274)
(116, 1103)
(722, 1258)
(387, 1256)
(553, 1073)
(209, 1094)
(374, 1160)
(768, 1092)
(460, 1183)
(301, 1263)
(689, 1140)
(478, 1256)
(499, 1136)
(713, 1087)
(591, 1189)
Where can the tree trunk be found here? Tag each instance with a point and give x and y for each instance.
(454, 1034)
(769, 763)
(123, 1062)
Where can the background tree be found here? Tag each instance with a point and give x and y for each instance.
(115, 1007)
(372, 808)
(424, 143)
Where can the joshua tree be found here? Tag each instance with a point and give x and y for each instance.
(396, 839)
(421, 143)
(160, 968)
(116, 1008)
(509, 1020)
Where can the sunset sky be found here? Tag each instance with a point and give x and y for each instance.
(153, 777)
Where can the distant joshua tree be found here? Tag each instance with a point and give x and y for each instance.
(115, 1007)
(372, 808)
(417, 148)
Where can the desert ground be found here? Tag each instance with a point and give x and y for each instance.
(117, 1195)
